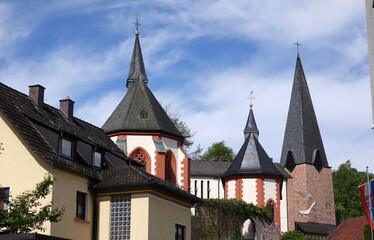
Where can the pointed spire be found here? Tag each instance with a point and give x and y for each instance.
(251, 126)
(302, 139)
(137, 69)
(252, 159)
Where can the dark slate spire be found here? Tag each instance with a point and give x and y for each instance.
(252, 159)
(139, 110)
(302, 139)
(251, 126)
(137, 69)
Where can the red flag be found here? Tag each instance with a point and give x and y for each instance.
(365, 200)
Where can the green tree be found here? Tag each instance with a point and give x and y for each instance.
(348, 202)
(293, 235)
(181, 126)
(26, 213)
(218, 152)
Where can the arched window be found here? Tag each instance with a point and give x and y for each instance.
(140, 155)
(143, 115)
(170, 167)
(290, 161)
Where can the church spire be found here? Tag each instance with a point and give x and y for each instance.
(137, 69)
(251, 126)
(302, 139)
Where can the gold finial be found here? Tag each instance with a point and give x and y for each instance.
(137, 24)
(251, 98)
(297, 45)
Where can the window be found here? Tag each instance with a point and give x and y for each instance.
(81, 209)
(195, 187)
(202, 189)
(143, 115)
(65, 147)
(97, 159)
(4, 195)
(179, 232)
(208, 189)
(120, 216)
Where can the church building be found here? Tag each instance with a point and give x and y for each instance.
(255, 178)
(143, 131)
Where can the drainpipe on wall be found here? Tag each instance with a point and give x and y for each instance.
(94, 212)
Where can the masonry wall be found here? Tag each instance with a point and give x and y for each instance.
(307, 179)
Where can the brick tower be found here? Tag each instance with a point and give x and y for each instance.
(303, 155)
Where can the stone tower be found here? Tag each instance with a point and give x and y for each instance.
(303, 155)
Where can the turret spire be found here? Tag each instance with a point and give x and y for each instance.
(137, 69)
(302, 139)
(251, 126)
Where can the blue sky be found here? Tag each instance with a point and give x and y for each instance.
(203, 58)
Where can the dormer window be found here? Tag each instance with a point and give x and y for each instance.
(65, 147)
(97, 159)
(143, 115)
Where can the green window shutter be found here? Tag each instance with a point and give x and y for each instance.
(159, 146)
(121, 143)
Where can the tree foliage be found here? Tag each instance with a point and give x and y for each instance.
(181, 126)
(346, 192)
(26, 213)
(293, 235)
(218, 152)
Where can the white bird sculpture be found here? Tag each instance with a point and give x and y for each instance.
(307, 196)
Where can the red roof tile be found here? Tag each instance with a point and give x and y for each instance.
(350, 229)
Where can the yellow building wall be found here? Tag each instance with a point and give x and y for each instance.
(139, 228)
(21, 169)
(163, 215)
(104, 217)
(64, 194)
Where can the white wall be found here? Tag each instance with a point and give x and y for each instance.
(283, 208)
(249, 190)
(231, 189)
(145, 142)
(215, 184)
(270, 189)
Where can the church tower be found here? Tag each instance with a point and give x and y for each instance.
(143, 131)
(304, 157)
(252, 176)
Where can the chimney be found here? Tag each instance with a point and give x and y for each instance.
(67, 107)
(36, 92)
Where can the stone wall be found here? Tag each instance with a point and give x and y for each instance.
(224, 220)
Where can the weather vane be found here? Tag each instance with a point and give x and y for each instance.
(251, 98)
(297, 45)
(137, 24)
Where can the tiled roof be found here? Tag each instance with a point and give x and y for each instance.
(251, 126)
(350, 229)
(139, 99)
(302, 137)
(41, 128)
(207, 168)
(127, 176)
(252, 159)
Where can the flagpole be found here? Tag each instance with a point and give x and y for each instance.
(371, 215)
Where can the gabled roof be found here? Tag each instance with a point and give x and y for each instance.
(42, 127)
(252, 159)
(302, 139)
(251, 126)
(208, 168)
(139, 110)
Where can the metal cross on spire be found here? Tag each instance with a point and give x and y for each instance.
(137, 24)
(297, 45)
(251, 98)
